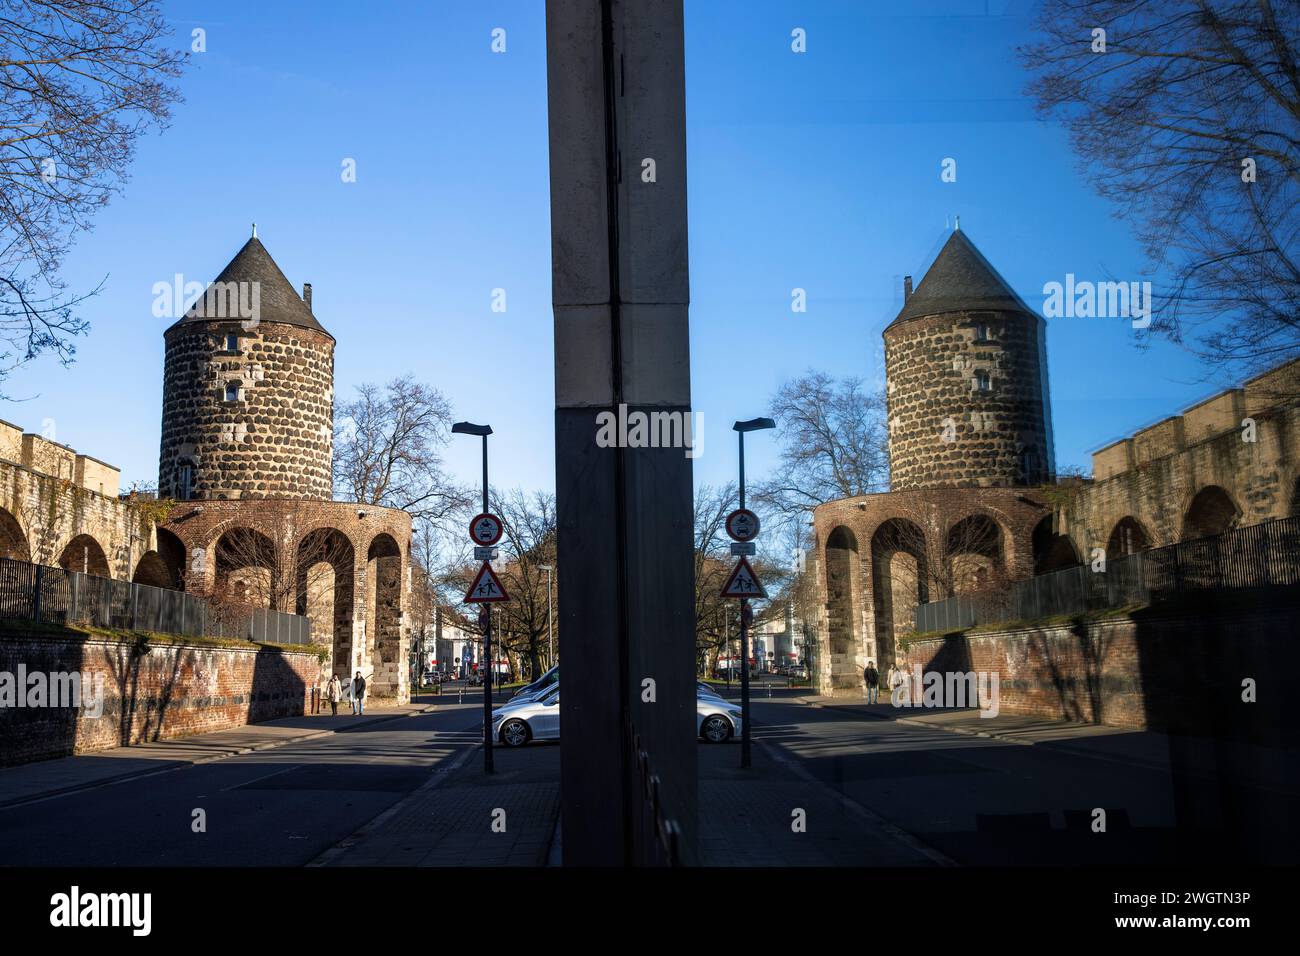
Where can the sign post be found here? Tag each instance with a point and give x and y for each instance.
(742, 526)
(484, 531)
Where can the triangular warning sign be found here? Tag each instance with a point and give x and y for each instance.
(487, 587)
(743, 583)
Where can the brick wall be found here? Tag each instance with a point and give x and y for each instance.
(1176, 671)
(151, 692)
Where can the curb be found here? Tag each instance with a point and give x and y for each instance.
(181, 764)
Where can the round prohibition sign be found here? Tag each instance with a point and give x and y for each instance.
(742, 525)
(485, 529)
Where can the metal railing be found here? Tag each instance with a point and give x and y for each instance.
(660, 833)
(1260, 555)
(37, 592)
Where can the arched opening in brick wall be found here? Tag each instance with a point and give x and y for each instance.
(1212, 511)
(840, 664)
(325, 566)
(13, 542)
(150, 570)
(1128, 537)
(384, 583)
(84, 554)
(1052, 551)
(974, 556)
(246, 571)
(899, 582)
(162, 568)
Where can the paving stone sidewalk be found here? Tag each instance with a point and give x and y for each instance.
(45, 778)
(462, 817)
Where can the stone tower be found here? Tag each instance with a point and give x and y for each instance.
(966, 363)
(248, 390)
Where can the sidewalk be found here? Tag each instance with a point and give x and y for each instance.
(46, 778)
(463, 818)
(747, 817)
(1270, 768)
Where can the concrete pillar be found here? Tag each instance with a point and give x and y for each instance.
(616, 90)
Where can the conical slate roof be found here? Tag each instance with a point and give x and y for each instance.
(277, 300)
(960, 279)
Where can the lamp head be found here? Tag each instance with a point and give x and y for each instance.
(753, 425)
(469, 428)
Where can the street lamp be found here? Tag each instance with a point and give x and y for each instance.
(753, 425)
(469, 428)
(550, 629)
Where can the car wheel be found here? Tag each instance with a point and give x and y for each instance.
(716, 729)
(515, 733)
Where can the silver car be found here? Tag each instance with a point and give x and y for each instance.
(516, 724)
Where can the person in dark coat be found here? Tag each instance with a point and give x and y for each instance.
(359, 695)
(872, 678)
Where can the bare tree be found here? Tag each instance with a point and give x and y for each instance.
(1186, 114)
(80, 83)
(834, 444)
(386, 450)
(528, 542)
(716, 617)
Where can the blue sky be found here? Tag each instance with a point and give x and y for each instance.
(818, 170)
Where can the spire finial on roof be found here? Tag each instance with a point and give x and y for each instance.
(956, 227)
(254, 230)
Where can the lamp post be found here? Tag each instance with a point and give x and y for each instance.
(550, 630)
(753, 425)
(468, 428)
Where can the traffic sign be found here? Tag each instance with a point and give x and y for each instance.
(485, 529)
(485, 554)
(743, 547)
(487, 587)
(743, 582)
(742, 525)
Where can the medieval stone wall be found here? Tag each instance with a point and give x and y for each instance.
(346, 566)
(61, 508)
(944, 430)
(256, 421)
(879, 555)
(1239, 447)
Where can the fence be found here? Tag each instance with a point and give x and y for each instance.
(1257, 556)
(35, 592)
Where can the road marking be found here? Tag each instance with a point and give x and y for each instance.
(273, 773)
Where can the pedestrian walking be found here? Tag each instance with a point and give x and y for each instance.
(334, 694)
(359, 695)
(872, 677)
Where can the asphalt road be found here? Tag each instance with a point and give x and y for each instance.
(280, 807)
(981, 801)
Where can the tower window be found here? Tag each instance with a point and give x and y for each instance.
(981, 331)
(232, 391)
(982, 382)
(1029, 464)
(185, 483)
(232, 342)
